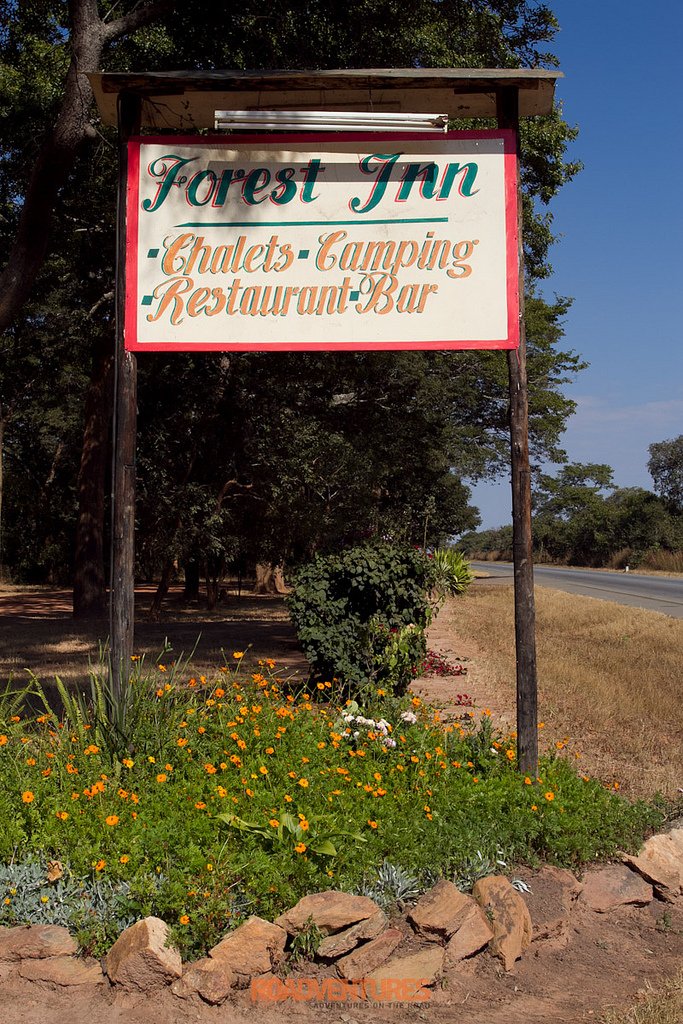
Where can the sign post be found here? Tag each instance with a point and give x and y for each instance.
(522, 540)
(367, 277)
(122, 594)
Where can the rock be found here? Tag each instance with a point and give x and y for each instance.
(330, 911)
(661, 862)
(367, 958)
(140, 958)
(406, 975)
(34, 942)
(251, 949)
(472, 934)
(438, 914)
(676, 837)
(212, 980)
(554, 892)
(614, 886)
(66, 971)
(337, 945)
(509, 917)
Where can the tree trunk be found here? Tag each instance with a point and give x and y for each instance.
(2, 453)
(59, 150)
(162, 591)
(269, 579)
(191, 592)
(90, 595)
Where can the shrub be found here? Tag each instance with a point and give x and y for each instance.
(452, 573)
(360, 615)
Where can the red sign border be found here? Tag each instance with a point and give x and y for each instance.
(234, 141)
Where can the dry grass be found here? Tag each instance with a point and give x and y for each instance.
(610, 677)
(662, 1006)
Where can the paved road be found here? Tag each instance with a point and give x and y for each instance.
(656, 593)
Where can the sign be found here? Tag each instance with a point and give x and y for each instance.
(330, 242)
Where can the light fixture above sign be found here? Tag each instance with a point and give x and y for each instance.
(329, 121)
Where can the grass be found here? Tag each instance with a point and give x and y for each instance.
(609, 678)
(663, 1005)
(215, 798)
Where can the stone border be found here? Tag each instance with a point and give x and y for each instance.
(358, 945)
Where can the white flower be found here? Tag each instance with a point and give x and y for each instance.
(409, 716)
(388, 742)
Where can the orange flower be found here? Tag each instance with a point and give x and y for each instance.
(62, 815)
(237, 655)
(182, 742)
(263, 770)
(219, 691)
(527, 780)
(184, 919)
(200, 805)
(549, 796)
(100, 866)
(300, 848)
(112, 820)
(30, 761)
(372, 824)
(27, 797)
(274, 823)
(303, 783)
(3, 740)
(210, 769)
(162, 776)
(124, 859)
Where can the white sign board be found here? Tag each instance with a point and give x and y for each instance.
(322, 242)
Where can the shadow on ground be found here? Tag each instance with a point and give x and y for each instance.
(38, 634)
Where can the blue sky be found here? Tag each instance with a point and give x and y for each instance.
(620, 254)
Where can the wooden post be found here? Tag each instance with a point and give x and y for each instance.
(122, 596)
(525, 612)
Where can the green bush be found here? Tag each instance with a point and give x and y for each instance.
(452, 574)
(360, 615)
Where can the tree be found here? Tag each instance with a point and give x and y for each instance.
(282, 458)
(571, 519)
(665, 466)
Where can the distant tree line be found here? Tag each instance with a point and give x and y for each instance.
(582, 518)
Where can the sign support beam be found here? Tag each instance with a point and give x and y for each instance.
(525, 611)
(122, 594)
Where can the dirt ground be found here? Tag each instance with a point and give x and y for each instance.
(600, 961)
(38, 634)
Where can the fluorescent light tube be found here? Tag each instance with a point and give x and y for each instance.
(329, 121)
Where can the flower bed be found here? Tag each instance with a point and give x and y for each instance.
(237, 796)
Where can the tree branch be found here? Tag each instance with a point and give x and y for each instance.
(140, 16)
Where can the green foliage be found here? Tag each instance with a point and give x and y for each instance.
(305, 943)
(452, 573)
(345, 606)
(392, 887)
(273, 457)
(495, 543)
(665, 466)
(314, 836)
(95, 909)
(147, 833)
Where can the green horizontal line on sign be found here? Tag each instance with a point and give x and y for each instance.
(309, 223)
